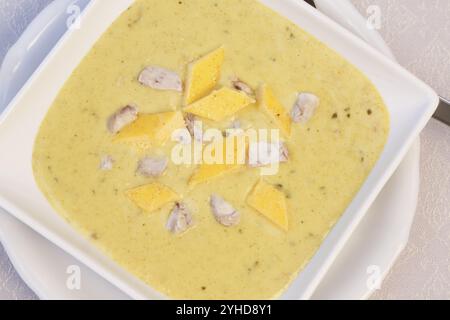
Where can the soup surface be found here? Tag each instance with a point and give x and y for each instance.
(330, 155)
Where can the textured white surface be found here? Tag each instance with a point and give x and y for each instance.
(15, 15)
(423, 269)
(419, 33)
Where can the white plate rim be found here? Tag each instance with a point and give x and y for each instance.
(26, 266)
(421, 124)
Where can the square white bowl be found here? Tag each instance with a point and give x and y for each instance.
(410, 103)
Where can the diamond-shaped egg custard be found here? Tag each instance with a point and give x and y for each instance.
(203, 75)
(152, 197)
(274, 109)
(232, 158)
(151, 130)
(220, 104)
(270, 202)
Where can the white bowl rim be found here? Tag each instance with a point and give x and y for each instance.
(337, 237)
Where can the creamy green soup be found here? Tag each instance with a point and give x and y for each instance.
(330, 156)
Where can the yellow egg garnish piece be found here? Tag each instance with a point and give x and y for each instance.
(207, 172)
(203, 75)
(232, 159)
(274, 109)
(152, 197)
(151, 130)
(270, 202)
(220, 104)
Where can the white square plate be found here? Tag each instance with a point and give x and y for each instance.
(410, 103)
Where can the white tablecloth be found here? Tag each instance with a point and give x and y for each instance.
(418, 31)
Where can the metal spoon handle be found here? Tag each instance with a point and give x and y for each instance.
(443, 111)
